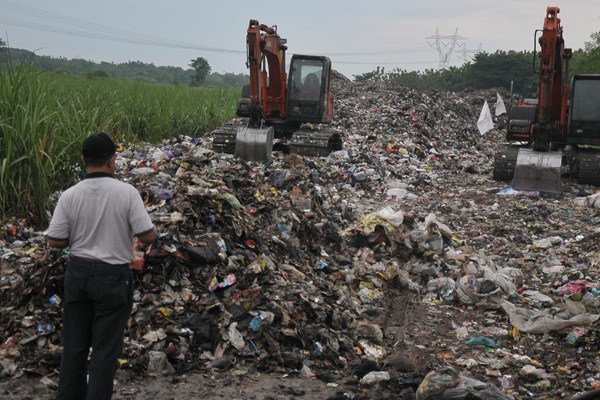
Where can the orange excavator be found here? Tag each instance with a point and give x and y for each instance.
(561, 125)
(282, 110)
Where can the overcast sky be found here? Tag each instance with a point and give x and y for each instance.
(357, 35)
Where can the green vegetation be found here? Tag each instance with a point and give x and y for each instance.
(135, 70)
(493, 70)
(587, 60)
(201, 70)
(136, 110)
(32, 151)
(485, 71)
(44, 118)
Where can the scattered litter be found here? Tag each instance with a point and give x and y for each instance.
(289, 266)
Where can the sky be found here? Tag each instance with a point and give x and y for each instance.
(357, 35)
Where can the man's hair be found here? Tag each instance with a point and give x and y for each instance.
(96, 162)
(97, 149)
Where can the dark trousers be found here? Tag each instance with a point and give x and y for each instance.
(97, 304)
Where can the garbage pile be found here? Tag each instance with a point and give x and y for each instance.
(289, 266)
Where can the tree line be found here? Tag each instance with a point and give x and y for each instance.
(490, 70)
(486, 70)
(198, 75)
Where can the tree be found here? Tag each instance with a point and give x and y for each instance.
(201, 70)
(493, 70)
(3, 52)
(594, 43)
(377, 75)
(587, 60)
(96, 73)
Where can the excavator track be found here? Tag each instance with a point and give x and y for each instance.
(315, 143)
(589, 167)
(305, 141)
(505, 162)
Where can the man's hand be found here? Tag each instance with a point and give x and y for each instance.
(148, 237)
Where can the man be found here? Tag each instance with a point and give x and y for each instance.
(97, 219)
(311, 87)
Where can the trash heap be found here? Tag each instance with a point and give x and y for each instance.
(289, 266)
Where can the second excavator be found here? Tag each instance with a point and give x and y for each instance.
(560, 127)
(282, 110)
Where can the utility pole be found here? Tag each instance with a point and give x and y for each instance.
(445, 45)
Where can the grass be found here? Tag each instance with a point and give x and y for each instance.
(44, 118)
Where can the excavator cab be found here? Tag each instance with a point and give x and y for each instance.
(309, 96)
(583, 136)
(584, 111)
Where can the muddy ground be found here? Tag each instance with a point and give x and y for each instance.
(406, 331)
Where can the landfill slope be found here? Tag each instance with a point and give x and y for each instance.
(389, 268)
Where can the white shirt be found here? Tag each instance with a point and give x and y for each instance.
(100, 217)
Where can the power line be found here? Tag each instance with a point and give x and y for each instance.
(81, 28)
(110, 33)
(383, 63)
(47, 16)
(101, 31)
(384, 52)
(103, 36)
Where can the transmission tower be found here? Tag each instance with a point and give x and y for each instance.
(464, 53)
(445, 45)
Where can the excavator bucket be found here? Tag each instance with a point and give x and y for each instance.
(538, 171)
(254, 144)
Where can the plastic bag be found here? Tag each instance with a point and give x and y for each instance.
(447, 384)
(544, 321)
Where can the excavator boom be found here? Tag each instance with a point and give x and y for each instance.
(540, 168)
(266, 63)
(561, 126)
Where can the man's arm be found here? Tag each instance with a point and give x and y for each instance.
(57, 234)
(58, 243)
(148, 237)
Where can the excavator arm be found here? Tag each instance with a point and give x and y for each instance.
(561, 125)
(539, 168)
(266, 64)
(553, 89)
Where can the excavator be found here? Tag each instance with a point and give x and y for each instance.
(561, 126)
(282, 111)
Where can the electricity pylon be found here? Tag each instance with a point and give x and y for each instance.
(464, 53)
(445, 45)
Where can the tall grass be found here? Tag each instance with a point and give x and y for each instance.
(32, 149)
(44, 118)
(136, 110)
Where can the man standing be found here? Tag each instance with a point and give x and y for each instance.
(97, 219)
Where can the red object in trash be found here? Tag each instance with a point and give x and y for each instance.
(139, 258)
(572, 287)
